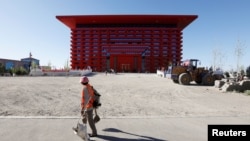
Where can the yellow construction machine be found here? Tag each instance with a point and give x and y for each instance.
(188, 71)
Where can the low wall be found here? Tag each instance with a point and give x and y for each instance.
(39, 72)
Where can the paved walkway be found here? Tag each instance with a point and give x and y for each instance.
(113, 129)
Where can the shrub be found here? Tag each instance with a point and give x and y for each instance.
(2, 68)
(247, 92)
(19, 71)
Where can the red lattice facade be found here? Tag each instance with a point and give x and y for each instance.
(126, 43)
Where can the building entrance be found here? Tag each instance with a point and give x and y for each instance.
(125, 67)
(125, 63)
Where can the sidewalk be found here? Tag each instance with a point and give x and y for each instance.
(113, 129)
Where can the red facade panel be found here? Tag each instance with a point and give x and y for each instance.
(125, 47)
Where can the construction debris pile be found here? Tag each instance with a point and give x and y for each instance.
(232, 84)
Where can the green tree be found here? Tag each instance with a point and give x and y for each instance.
(20, 71)
(33, 65)
(2, 69)
(12, 71)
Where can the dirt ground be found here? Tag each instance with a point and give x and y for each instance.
(123, 95)
(134, 107)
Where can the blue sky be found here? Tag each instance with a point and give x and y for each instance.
(30, 26)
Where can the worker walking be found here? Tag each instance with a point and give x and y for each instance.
(87, 100)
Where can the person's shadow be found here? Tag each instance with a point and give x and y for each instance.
(113, 138)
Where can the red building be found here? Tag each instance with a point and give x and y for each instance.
(126, 43)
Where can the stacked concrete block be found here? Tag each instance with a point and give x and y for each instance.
(230, 87)
(219, 83)
(244, 85)
(241, 86)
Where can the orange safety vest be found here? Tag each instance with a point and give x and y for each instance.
(87, 97)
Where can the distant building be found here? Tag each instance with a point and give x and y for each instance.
(25, 62)
(8, 63)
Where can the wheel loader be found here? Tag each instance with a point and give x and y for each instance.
(188, 71)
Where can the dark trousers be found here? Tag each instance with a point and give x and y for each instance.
(91, 121)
